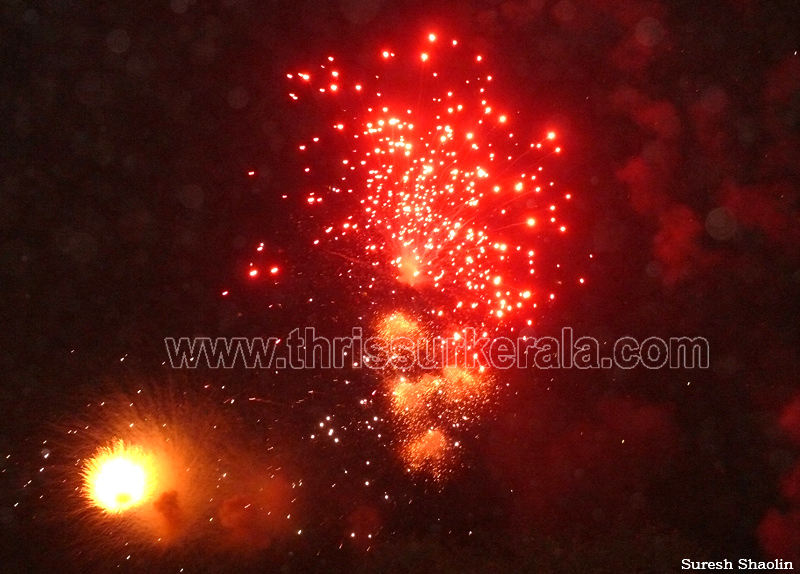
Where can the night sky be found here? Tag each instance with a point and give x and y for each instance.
(147, 151)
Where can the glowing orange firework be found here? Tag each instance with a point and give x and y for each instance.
(397, 325)
(119, 477)
(426, 402)
(152, 480)
(468, 388)
(399, 340)
(415, 408)
(410, 401)
(450, 202)
(428, 452)
(171, 472)
(455, 397)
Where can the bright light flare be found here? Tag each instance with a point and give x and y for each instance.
(119, 478)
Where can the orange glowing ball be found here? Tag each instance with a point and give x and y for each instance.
(118, 478)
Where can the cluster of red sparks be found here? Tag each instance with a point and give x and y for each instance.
(446, 197)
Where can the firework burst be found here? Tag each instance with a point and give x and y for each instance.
(119, 477)
(166, 469)
(433, 191)
(449, 197)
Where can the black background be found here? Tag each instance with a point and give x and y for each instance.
(126, 209)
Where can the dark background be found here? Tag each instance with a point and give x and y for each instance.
(128, 129)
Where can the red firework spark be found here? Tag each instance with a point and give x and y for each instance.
(445, 196)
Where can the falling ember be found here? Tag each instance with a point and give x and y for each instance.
(426, 401)
(468, 387)
(427, 453)
(118, 478)
(398, 325)
(455, 397)
(409, 401)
